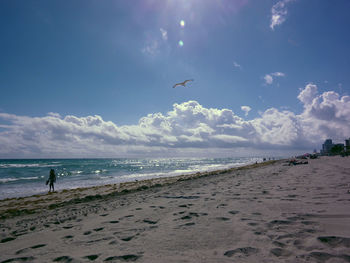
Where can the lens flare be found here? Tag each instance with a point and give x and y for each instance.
(182, 23)
(181, 43)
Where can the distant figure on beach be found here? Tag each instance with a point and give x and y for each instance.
(51, 180)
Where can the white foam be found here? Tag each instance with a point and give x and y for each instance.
(27, 165)
(5, 180)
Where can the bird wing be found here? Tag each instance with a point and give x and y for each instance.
(182, 83)
(187, 81)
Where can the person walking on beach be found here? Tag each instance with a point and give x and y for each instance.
(52, 180)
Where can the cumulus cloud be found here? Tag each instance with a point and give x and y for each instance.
(246, 110)
(54, 114)
(307, 94)
(326, 114)
(279, 13)
(187, 125)
(269, 77)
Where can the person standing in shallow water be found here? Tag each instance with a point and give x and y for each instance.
(52, 180)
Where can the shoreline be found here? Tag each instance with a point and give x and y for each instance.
(16, 206)
(22, 178)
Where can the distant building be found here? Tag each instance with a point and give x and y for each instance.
(327, 146)
(337, 147)
(347, 144)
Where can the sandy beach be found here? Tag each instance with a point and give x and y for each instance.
(270, 212)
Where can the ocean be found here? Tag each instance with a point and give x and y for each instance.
(24, 177)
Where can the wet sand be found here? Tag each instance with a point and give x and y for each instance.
(268, 212)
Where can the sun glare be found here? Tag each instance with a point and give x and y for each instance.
(182, 23)
(181, 43)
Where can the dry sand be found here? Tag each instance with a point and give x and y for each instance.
(261, 213)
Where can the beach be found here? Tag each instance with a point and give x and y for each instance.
(266, 212)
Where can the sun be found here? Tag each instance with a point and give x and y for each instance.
(182, 23)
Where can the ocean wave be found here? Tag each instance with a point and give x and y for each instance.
(142, 176)
(28, 165)
(190, 170)
(76, 172)
(6, 180)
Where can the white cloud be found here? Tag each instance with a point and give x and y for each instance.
(326, 114)
(278, 74)
(155, 43)
(307, 94)
(246, 110)
(164, 34)
(278, 128)
(269, 77)
(187, 126)
(279, 13)
(54, 114)
(151, 47)
(236, 65)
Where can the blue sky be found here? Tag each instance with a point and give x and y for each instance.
(254, 65)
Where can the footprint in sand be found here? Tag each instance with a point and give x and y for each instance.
(187, 224)
(334, 241)
(180, 213)
(20, 259)
(279, 244)
(256, 214)
(279, 223)
(7, 239)
(221, 205)
(191, 215)
(233, 212)
(127, 239)
(246, 251)
(323, 256)
(68, 227)
(280, 252)
(91, 257)
(29, 248)
(128, 216)
(151, 222)
(129, 257)
(63, 259)
(222, 218)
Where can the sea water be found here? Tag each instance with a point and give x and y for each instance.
(24, 177)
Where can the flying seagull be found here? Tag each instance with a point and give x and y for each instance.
(182, 83)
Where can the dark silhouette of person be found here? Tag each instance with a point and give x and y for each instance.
(52, 180)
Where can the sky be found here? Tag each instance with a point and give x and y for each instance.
(84, 78)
